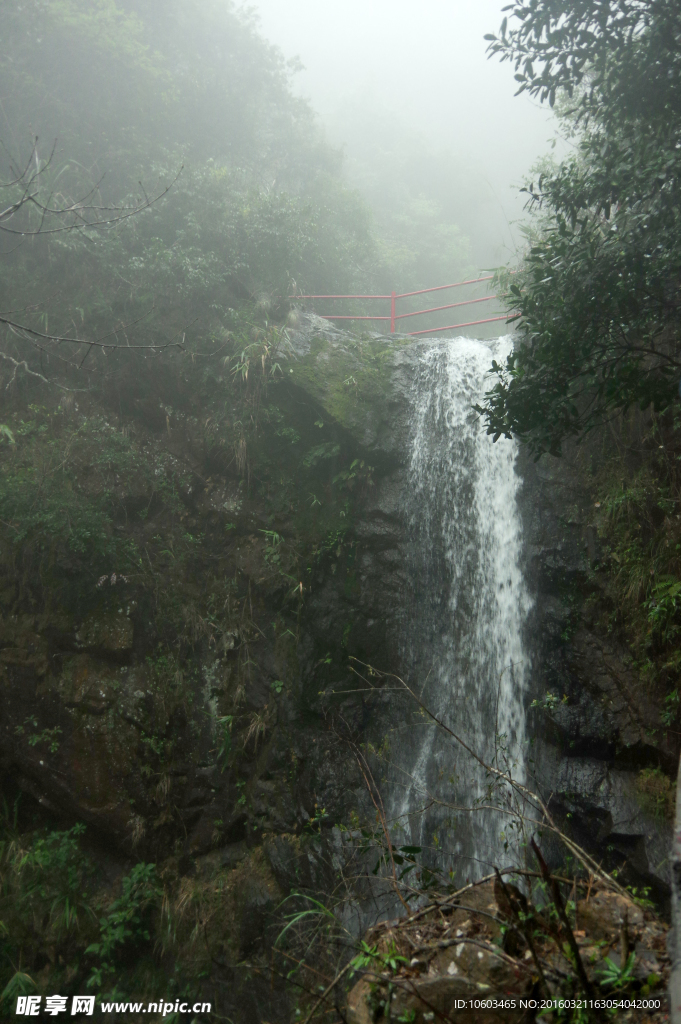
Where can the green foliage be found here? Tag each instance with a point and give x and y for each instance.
(258, 211)
(57, 492)
(320, 452)
(670, 710)
(369, 958)
(314, 824)
(663, 607)
(97, 58)
(313, 909)
(51, 873)
(273, 542)
(78, 525)
(616, 976)
(224, 723)
(359, 475)
(48, 736)
(636, 579)
(596, 299)
(402, 861)
(656, 792)
(20, 984)
(46, 900)
(549, 702)
(126, 923)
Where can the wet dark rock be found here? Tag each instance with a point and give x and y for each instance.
(602, 727)
(108, 632)
(138, 754)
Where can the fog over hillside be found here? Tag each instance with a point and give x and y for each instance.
(396, 83)
(340, 511)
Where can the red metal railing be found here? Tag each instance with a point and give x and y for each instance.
(394, 316)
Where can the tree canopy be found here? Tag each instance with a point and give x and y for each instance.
(108, 105)
(597, 298)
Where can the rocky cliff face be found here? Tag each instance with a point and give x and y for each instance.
(118, 703)
(179, 680)
(180, 595)
(600, 726)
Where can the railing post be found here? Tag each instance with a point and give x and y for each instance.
(392, 312)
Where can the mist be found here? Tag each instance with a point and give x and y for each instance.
(274, 438)
(408, 92)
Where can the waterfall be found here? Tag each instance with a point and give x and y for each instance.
(463, 636)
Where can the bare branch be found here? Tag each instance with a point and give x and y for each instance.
(30, 333)
(533, 798)
(21, 365)
(81, 214)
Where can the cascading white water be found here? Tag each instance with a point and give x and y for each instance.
(463, 641)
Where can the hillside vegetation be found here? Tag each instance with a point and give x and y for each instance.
(191, 542)
(595, 375)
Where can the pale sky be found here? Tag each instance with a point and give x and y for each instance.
(426, 61)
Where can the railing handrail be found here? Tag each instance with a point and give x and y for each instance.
(441, 287)
(452, 305)
(347, 296)
(471, 323)
(394, 316)
(399, 295)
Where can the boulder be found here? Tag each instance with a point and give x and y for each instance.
(451, 966)
(460, 961)
(110, 631)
